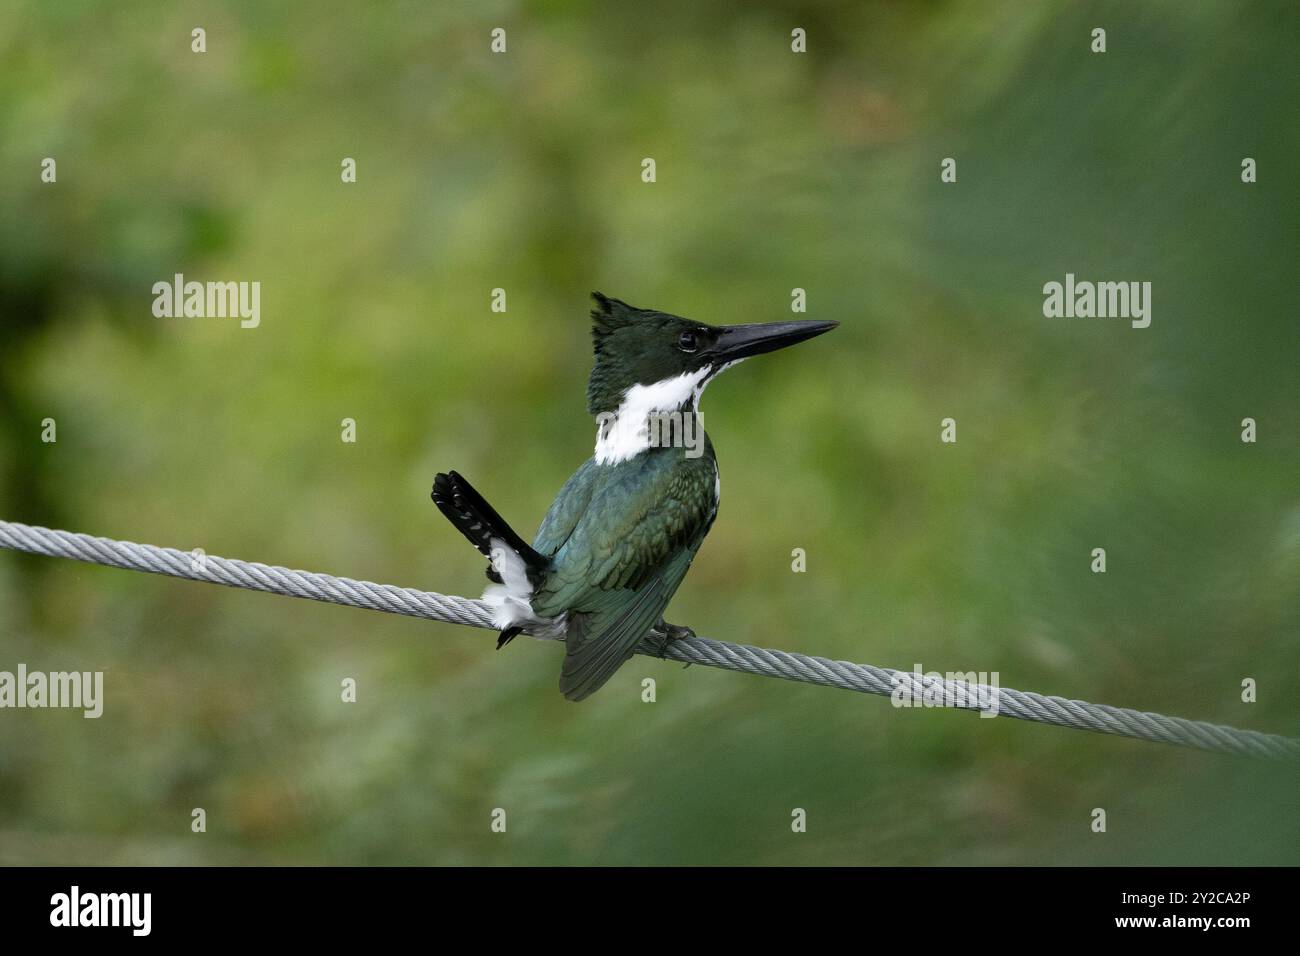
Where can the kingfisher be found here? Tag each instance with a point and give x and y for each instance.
(620, 536)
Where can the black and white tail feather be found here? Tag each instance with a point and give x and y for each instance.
(514, 568)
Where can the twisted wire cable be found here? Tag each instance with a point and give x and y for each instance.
(865, 678)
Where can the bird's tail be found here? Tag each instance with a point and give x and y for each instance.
(479, 522)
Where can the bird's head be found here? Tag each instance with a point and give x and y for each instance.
(674, 356)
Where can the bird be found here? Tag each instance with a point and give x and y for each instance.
(621, 534)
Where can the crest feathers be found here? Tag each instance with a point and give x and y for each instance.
(610, 315)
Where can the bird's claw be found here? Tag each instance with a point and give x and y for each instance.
(664, 634)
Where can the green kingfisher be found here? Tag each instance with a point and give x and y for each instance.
(623, 530)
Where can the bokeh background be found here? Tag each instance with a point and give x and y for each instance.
(775, 171)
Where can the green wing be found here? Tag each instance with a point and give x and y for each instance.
(568, 507)
(598, 642)
(624, 559)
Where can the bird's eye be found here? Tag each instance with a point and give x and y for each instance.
(687, 341)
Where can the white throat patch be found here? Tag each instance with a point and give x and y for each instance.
(626, 433)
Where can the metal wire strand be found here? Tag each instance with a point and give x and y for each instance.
(865, 678)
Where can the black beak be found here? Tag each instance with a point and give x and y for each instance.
(736, 342)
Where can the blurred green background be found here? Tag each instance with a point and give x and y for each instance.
(775, 171)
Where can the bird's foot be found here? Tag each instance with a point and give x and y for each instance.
(664, 634)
